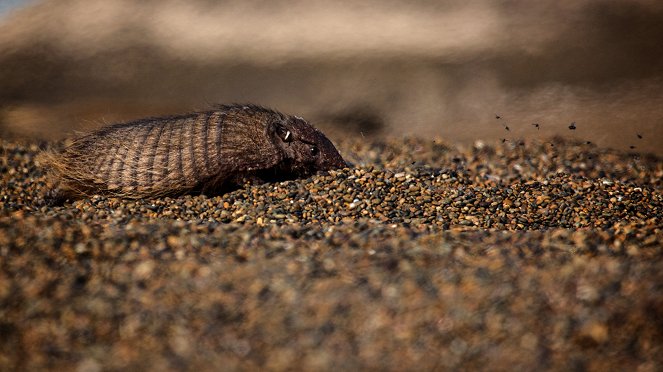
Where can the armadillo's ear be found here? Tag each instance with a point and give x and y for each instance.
(280, 131)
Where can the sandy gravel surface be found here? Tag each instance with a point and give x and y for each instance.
(424, 256)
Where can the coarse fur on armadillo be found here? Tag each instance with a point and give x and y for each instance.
(201, 151)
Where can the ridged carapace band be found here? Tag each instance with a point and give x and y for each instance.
(206, 151)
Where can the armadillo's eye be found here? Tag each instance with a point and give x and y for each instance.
(314, 150)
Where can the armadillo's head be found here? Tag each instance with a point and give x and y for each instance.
(304, 148)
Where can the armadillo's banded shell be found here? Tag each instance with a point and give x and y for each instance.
(152, 156)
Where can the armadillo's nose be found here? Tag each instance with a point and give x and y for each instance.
(338, 162)
(331, 158)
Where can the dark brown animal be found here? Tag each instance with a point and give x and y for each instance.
(199, 152)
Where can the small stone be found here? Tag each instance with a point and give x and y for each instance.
(143, 270)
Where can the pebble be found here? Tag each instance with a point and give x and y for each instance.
(423, 256)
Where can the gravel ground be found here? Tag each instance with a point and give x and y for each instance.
(502, 256)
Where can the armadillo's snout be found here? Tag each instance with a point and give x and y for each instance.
(330, 157)
(338, 161)
(334, 162)
(334, 159)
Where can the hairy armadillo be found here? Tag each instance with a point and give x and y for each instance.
(199, 152)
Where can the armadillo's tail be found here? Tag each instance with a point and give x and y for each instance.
(59, 187)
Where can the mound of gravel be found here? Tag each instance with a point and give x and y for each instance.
(496, 256)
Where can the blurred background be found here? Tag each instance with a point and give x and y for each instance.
(428, 68)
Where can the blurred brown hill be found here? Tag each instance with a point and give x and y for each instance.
(424, 68)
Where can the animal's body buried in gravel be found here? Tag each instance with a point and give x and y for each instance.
(204, 152)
